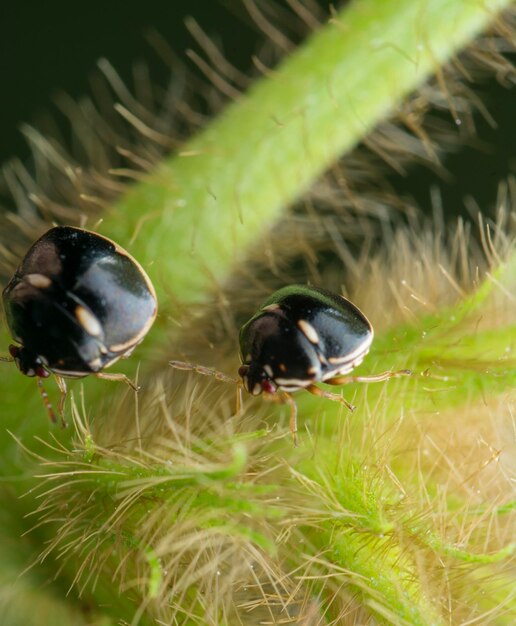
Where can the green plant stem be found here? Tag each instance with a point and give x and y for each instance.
(198, 215)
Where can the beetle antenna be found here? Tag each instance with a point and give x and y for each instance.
(46, 401)
(6, 359)
(208, 371)
(205, 371)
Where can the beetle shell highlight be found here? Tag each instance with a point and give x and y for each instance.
(77, 303)
(302, 335)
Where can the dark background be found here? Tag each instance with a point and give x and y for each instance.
(50, 46)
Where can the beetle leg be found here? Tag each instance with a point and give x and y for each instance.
(335, 397)
(293, 416)
(375, 378)
(118, 377)
(46, 401)
(6, 359)
(61, 383)
(239, 399)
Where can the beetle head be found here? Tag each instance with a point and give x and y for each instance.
(27, 362)
(256, 380)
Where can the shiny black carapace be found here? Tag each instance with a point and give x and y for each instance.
(300, 336)
(77, 303)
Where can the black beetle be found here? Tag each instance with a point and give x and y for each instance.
(77, 303)
(300, 336)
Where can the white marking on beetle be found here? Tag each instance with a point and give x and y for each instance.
(345, 368)
(40, 281)
(292, 388)
(95, 364)
(128, 353)
(358, 352)
(70, 374)
(271, 307)
(88, 321)
(268, 370)
(336, 360)
(308, 331)
(122, 348)
(295, 383)
(339, 371)
(257, 389)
